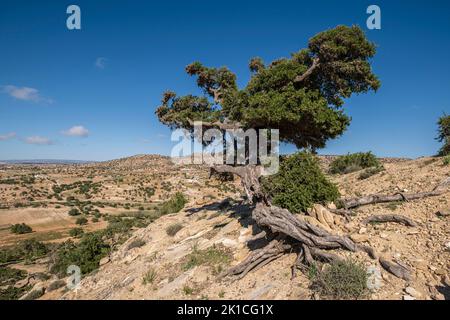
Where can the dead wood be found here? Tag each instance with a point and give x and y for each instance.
(397, 269)
(378, 198)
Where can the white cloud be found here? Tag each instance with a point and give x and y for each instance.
(100, 62)
(25, 94)
(76, 131)
(38, 140)
(7, 136)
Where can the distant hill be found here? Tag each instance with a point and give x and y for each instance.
(45, 161)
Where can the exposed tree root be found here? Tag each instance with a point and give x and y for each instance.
(378, 198)
(390, 218)
(260, 257)
(309, 241)
(397, 269)
(283, 222)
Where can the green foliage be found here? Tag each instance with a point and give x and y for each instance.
(173, 229)
(13, 293)
(76, 232)
(11, 276)
(149, 277)
(86, 254)
(299, 184)
(81, 221)
(136, 244)
(446, 160)
(27, 250)
(367, 173)
(307, 111)
(74, 212)
(444, 134)
(213, 256)
(342, 280)
(21, 228)
(354, 162)
(173, 205)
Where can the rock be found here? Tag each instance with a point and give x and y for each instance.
(413, 292)
(324, 216)
(359, 237)
(104, 261)
(447, 281)
(408, 297)
(443, 212)
(440, 271)
(331, 206)
(229, 243)
(362, 230)
(35, 293)
(447, 245)
(384, 236)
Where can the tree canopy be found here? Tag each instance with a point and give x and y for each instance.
(302, 96)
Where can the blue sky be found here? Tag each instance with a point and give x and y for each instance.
(90, 94)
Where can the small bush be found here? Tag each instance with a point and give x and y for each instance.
(136, 244)
(173, 229)
(342, 280)
(188, 290)
(81, 221)
(86, 254)
(353, 162)
(27, 250)
(212, 256)
(299, 184)
(74, 212)
(367, 173)
(446, 160)
(21, 228)
(173, 205)
(11, 276)
(149, 277)
(76, 232)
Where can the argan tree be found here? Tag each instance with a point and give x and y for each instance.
(301, 96)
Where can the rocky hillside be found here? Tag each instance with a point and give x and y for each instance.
(182, 255)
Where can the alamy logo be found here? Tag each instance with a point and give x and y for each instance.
(230, 147)
(73, 21)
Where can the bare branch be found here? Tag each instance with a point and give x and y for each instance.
(301, 78)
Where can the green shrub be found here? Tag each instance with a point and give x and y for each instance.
(81, 221)
(76, 232)
(173, 229)
(149, 277)
(21, 228)
(136, 244)
(342, 280)
(353, 162)
(367, 173)
(299, 184)
(11, 276)
(13, 293)
(446, 160)
(86, 254)
(27, 250)
(74, 212)
(444, 134)
(212, 256)
(173, 205)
